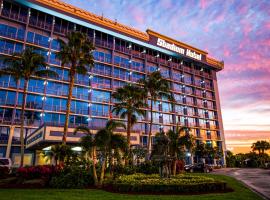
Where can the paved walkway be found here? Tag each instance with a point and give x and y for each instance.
(257, 179)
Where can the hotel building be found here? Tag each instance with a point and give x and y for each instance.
(122, 55)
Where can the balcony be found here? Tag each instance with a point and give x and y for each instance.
(122, 49)
(99, 113)
(100, 99)
(137, 54)
(14, 16)
(102, 43)
(101, 86)
(12, 35)
(56, 108)
(40, 24)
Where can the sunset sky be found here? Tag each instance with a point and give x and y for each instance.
(236, 31)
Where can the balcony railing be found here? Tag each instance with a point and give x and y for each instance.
(14, 16)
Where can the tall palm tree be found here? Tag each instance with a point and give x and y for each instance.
(22, 66)
(129, 104)
(175, 145)
(76, 52)
(107, 142)
(157, 87)
(261, 146)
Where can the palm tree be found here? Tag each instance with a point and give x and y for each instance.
(59, 152)
(107, 142)
(157, 87)
(22, 66)
(129, 104)
(188, 140)
(175, 145)
(160, 154)
(261, 146)
(88, 144)
(76, 52)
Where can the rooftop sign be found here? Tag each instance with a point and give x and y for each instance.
(177, 49)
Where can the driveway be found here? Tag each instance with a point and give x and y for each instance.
(257, 179)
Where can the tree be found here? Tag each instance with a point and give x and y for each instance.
(188, 141)
(175, 145)
(160, 154)
(129, 104)
(59, 152)
(105, 141)
(22, 66)
(109, 144)
(157, 87)
(89, 146)
(261, 146)
(76, 52)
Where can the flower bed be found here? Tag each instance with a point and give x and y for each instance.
(183, 183)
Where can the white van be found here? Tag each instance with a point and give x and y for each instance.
(6, 162)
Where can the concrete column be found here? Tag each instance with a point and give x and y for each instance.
(11, 133)
(220, 123)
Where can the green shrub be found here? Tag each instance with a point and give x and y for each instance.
(147, 168)
(72, 177)
(183, 183)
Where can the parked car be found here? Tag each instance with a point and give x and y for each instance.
(199, 167)
(6, 162)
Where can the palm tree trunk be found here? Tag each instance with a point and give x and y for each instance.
(70, 89)
(22, 122)
(94, 167)
(174, 164)
(150, 131)
(102, 173)
(128, 130)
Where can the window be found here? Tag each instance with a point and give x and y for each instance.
(101, 96)
(99, 82)
(99, 110)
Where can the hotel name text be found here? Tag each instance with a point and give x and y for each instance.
(177, 49)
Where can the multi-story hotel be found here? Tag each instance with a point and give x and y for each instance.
(122, 55)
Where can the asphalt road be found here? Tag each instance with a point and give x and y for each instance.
(257, 179)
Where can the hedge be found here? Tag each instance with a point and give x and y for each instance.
(176, 184)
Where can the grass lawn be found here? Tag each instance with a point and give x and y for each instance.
(241, 192)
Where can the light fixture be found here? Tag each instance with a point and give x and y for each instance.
(129, 46)
(90, 90)
(43, 98)
(130, 61)
(144, 51)
(91, 76)
(89, 104)
(76, 148)
(182, 62)
(182, 76)
(47, 148)
(157, 55)
(42, 114)
(48, 53)
(130, 73)
(201, 69)
(170, 59)
(45, 83)
(88, 119)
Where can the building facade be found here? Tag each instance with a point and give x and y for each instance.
(122, 55)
